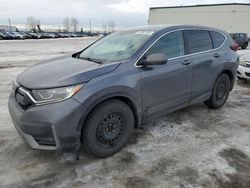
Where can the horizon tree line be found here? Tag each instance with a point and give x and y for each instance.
(69, 24)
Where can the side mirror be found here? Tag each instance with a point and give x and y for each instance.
(156, 59)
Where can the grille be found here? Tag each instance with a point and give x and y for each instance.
(23, 100)
(248, 64)
(247, 74)
(47, 141)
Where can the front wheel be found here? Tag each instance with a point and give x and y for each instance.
(108, 128)
(220, 92)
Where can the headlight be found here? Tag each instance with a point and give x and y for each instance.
(242, 61)
(55, 95)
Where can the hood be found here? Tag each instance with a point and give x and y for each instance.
(61, 72)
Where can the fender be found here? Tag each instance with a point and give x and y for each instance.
(120, 92)
(228, 67)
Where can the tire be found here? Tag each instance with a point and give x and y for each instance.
(244, 46)
(108, 128)
(220, 92)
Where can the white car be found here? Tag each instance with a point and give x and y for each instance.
(243, 71)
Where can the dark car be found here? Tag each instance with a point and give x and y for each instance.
(45, 35)
(57, 35)
(5, 36)
(13, 35)
(25, 35)
(241, 39)
(96, 97)
(2, 36)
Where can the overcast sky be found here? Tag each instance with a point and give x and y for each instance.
(124, 12)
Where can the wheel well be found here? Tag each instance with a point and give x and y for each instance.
(231, 76)
(125, 100)
(132, 107)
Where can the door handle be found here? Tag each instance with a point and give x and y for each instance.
(216, 55)
(186, 62)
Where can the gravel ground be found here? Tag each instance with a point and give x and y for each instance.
(193, 147)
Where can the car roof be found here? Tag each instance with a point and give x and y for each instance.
(159, 28)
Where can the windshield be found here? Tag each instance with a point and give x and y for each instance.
(118, 46)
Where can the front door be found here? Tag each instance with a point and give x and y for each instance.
(167, 87)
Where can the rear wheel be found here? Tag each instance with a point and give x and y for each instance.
(220, 92)
(108, 128)
(244, 46)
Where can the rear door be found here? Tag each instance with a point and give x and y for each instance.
(206, 60)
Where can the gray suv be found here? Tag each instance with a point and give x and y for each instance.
(96, 97)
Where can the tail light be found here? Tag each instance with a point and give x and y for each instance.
(234, 46)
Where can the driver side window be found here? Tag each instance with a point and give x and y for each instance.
(171, 44)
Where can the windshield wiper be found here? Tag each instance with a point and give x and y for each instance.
(92, 59)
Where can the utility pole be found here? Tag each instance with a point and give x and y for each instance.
(10, 24)
(90, 26)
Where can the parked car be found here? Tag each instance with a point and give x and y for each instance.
(66, 35)
(20, 36)
(52, 35)
(27, 35)
(45, 35)
(241, 39)
(7, 37)
(57, 35)
(72, 35)
(97, 96)
(61, 35)
(35, 35)
(13, 35)
(3, 36)
(243, 72)
(23, 35)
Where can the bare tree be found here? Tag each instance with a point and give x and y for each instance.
(112, 25)
(32, 23)
(67, 24)
(104, 26)
(74, 23)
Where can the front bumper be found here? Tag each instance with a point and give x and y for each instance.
(48, 127)
(243, 72)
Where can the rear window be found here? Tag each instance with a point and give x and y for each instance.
(218, 38)
(198, 41)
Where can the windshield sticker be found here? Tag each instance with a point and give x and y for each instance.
(144, 33)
